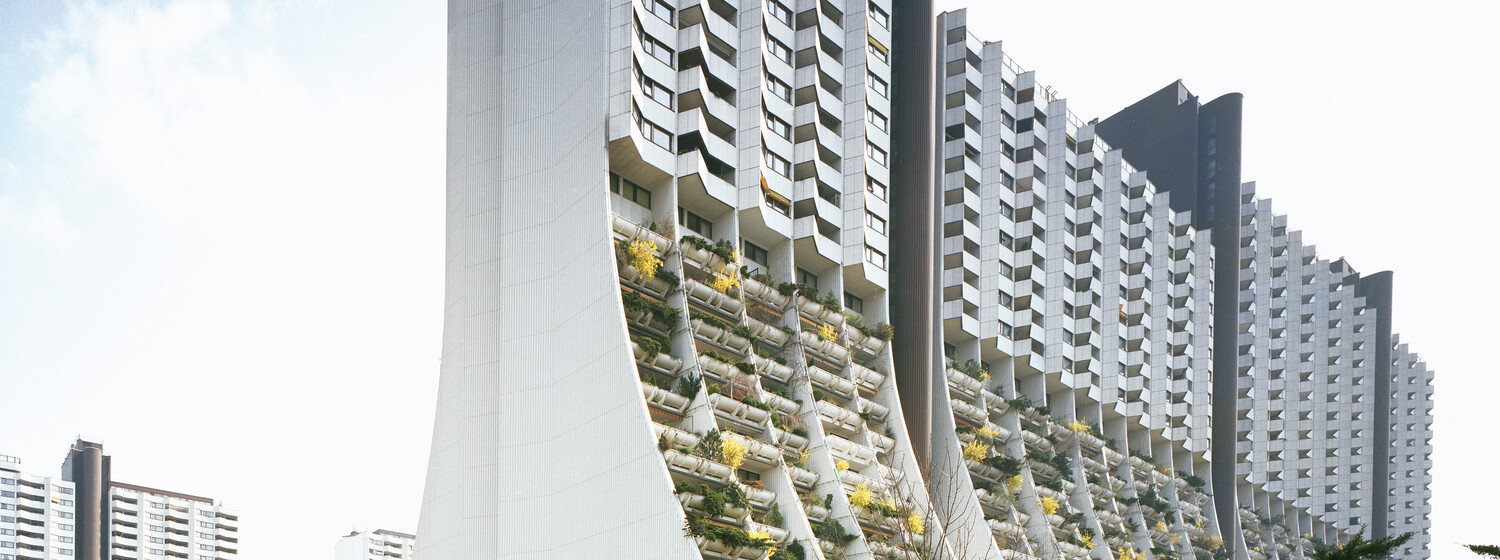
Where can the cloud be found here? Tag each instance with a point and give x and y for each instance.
(39, 221)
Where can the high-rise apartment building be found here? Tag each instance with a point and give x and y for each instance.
(84, 514)
(374, 545)
(837, 279)
(1313, 393)
(36, 514)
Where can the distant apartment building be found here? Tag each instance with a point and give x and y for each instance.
(374, 545)
(84, 514)
(36, 514)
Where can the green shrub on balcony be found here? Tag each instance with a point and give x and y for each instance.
(1008, 465)
(724, 249)
(688, 385)
(1020, 403)
(663, 313)
(711, 321)
(654, 346)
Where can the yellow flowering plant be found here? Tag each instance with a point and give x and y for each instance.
(842, 465)
(916, 524)
(861, 497)
(1088, 541)
(976, 451)
(988, 431)
(1079, 427)
(1161, 526)
(1049, 505)
(1213, 542)
(724, 280)
(1013, 483)
(826, 332)
(642, 253)
(733, 452)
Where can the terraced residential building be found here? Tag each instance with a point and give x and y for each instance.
(1319, 400)
(1076, 306)
(668, 291)
(835, 279)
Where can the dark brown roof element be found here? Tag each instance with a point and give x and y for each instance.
(209, 501)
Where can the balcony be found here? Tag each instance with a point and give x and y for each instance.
(771, 368)
(697, 467)
(661, 360)
(816, 311)
(701, 294)
(801, 477)
(963, 383)
(628, 231)
(827, 348)
(739, 413)
(765, 293)
(840, 418)
(860, 456)
(721, 337)
(875, 410)
(768, 333)
(839, 386)
(665, 400)
(867, 379)
(969, 412)
(861, 341)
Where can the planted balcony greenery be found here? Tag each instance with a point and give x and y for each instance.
(711, 321)
(1193, 480)
(714, 502)
(1150, 500)
(832, 531)
(1143, 457)
(745, 368)
(1008, 465)
(1073, 519)
(1044, 410)
(976, 370)
(743, 331)
(1050, 484)
(730, 536)
(666, 314)
(654, 346)
(668, 277)
(641, 254)
(756, 403)
(724, 249)
(882, 330)
(769, 356)
(1020, 403)
(792, 551)
(688, 385)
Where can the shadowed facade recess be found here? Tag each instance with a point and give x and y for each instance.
(835, 279)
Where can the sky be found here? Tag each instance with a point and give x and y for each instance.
(221, 223)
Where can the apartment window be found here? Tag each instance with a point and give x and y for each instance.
(157, 528)
(7, 494)
(696, 223)
(62, 514)
(779, 88)
(156, 540)
(65, 552)
(8, 506)
(879, 16)
(854, 303)
(777, 203)
(805, 276)
(778, 49)
(63, 539)
(876, 223)
(1006, 300)
(60, 526)
(654, 90)
(155, 505)
(875, 188)
(661, 9)
(778, 126)
(878, 51)
(158, 517)
(8, 481)
(779, 12)
(879, 86)
(656, 134)
(206, 524)
(778, 164)
(875, 257)
(629, 190)
(657, 49)
(876, 154)
(755, 253)
(63, 490)
(67, 503)
(207, 547)
(1007, 271)
(877, 120)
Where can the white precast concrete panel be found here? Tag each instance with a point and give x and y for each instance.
(537, 404)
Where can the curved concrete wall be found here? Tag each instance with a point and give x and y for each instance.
(542, 445)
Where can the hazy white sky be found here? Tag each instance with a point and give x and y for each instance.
(221, 223)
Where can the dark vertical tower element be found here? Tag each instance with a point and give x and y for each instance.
(913, 223)
(1193, 152)
(1376, 289)
(87, 467)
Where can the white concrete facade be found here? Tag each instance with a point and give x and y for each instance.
(36, 514)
